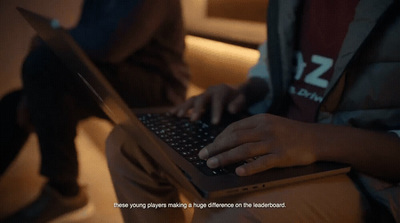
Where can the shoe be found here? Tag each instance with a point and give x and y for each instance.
(51, 206)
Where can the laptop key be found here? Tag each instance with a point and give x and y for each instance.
(185, 137)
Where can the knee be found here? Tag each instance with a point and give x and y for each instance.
(113, 153)
(114, 143)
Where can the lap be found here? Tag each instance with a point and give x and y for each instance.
(329, 199)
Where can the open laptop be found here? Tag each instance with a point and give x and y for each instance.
(164, 136)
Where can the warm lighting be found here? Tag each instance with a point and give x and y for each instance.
(211, 62)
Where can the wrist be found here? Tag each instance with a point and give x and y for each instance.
(319, 142)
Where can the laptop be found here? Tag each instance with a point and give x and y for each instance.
(171, 141)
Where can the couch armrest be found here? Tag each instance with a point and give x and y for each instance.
(212, 62)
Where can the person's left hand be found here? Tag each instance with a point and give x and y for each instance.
(268, 141)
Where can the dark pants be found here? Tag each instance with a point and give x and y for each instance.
(12, 135)
(57, 100)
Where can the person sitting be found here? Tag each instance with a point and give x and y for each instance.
(137, 44)
(325, 89)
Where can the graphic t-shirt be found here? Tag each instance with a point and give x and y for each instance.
(323, 28)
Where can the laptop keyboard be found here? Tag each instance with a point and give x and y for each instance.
(186, 137)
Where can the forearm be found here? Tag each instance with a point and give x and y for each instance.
(374, 153)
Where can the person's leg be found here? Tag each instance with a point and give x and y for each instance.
(330, 199)
(57, 99)
(137, 180)
(49, 89)
(56, 102)
(13, 133)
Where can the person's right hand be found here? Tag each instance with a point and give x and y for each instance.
(219, 98)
